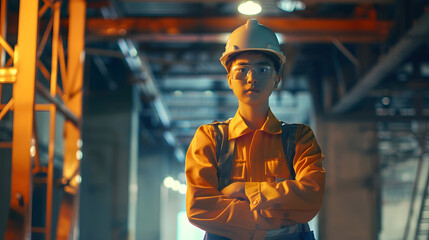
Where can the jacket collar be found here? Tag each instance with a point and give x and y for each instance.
(237, 126)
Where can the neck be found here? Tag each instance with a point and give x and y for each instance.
(253, 116)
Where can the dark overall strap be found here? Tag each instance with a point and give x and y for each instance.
(225, 150)
(288, 141)
(224, 153)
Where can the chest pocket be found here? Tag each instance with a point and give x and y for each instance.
(238, 171)
(276, 169)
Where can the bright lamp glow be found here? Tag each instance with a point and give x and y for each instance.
(249, 8)
(168, 182)
(291, 5)
(175, 185)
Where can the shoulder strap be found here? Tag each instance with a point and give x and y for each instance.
(225, 150)
(224, 153)
(288, 141)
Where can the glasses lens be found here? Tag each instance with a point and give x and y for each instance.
(241, 72)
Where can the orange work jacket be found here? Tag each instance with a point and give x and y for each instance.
(259, 160)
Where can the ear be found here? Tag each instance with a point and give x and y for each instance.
(229, 80)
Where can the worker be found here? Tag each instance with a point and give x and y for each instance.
(252, 195)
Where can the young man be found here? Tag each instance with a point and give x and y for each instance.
(257, 200)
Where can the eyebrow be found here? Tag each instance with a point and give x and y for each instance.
(258, 63)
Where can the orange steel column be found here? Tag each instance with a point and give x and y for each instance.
(3, 26)
(68, 217)
(56, 7)
(19, 220)
(3, 17)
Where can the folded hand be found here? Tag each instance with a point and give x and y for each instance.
(235, 190)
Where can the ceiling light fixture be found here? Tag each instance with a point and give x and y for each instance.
(290, 5)
(249, 8)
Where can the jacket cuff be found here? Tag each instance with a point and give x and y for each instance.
(253, 193)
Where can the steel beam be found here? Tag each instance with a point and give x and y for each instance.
(56, 7)
(3, 31)
(67, 228)
(309, 2)
(213, 29)
(313, 2)
(220, 38)
(6, 108)
(19, 220)
(397, 54)
(70, 116)
(173, 25)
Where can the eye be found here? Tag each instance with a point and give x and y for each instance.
(240, 69)
(264, 69)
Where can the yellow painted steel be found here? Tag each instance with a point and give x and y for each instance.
(4, 109)
(73, 89)
(66, 101)
(3, 8)
(8, 106)
(5, 144)
(3, 26)
(8, 75)
(56, 7)
(6, 46)
(68, 217)
(20, 212)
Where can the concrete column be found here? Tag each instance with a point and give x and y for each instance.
(151, 170)
(105, 190)
(351, 208)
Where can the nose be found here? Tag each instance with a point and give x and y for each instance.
(251, 78)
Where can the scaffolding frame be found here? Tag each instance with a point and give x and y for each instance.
(64, 98)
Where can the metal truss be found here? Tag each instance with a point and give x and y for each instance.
(60, 89)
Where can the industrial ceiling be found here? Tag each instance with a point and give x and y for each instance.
(345, 58)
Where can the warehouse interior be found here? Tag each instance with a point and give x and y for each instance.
(101, 98)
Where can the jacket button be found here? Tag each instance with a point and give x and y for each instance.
(255, 202)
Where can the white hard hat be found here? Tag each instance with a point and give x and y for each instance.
(252, 36)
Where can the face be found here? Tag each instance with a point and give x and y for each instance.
(252, 78)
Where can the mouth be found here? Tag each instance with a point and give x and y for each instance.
(252, 90)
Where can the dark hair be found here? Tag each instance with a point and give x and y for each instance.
(271, 57)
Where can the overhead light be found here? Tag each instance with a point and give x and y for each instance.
(168, 182)
(290, 5)
(169, 137)
(385, 101)
(175, 185)
(249, 8)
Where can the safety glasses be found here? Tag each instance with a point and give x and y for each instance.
(261, 72)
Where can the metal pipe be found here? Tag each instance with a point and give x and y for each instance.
(6, 109)
(406, 46)
(6, 47)
(20, 212)
(346, 52)
(60, 106)
(68, 217)
(3, 30)
(309, 2)
(52, 117)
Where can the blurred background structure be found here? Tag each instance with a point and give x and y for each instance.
(100, 99)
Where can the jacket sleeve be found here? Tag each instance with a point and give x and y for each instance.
(206, 207)
(293, 200)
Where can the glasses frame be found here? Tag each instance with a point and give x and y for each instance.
(252, 68)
